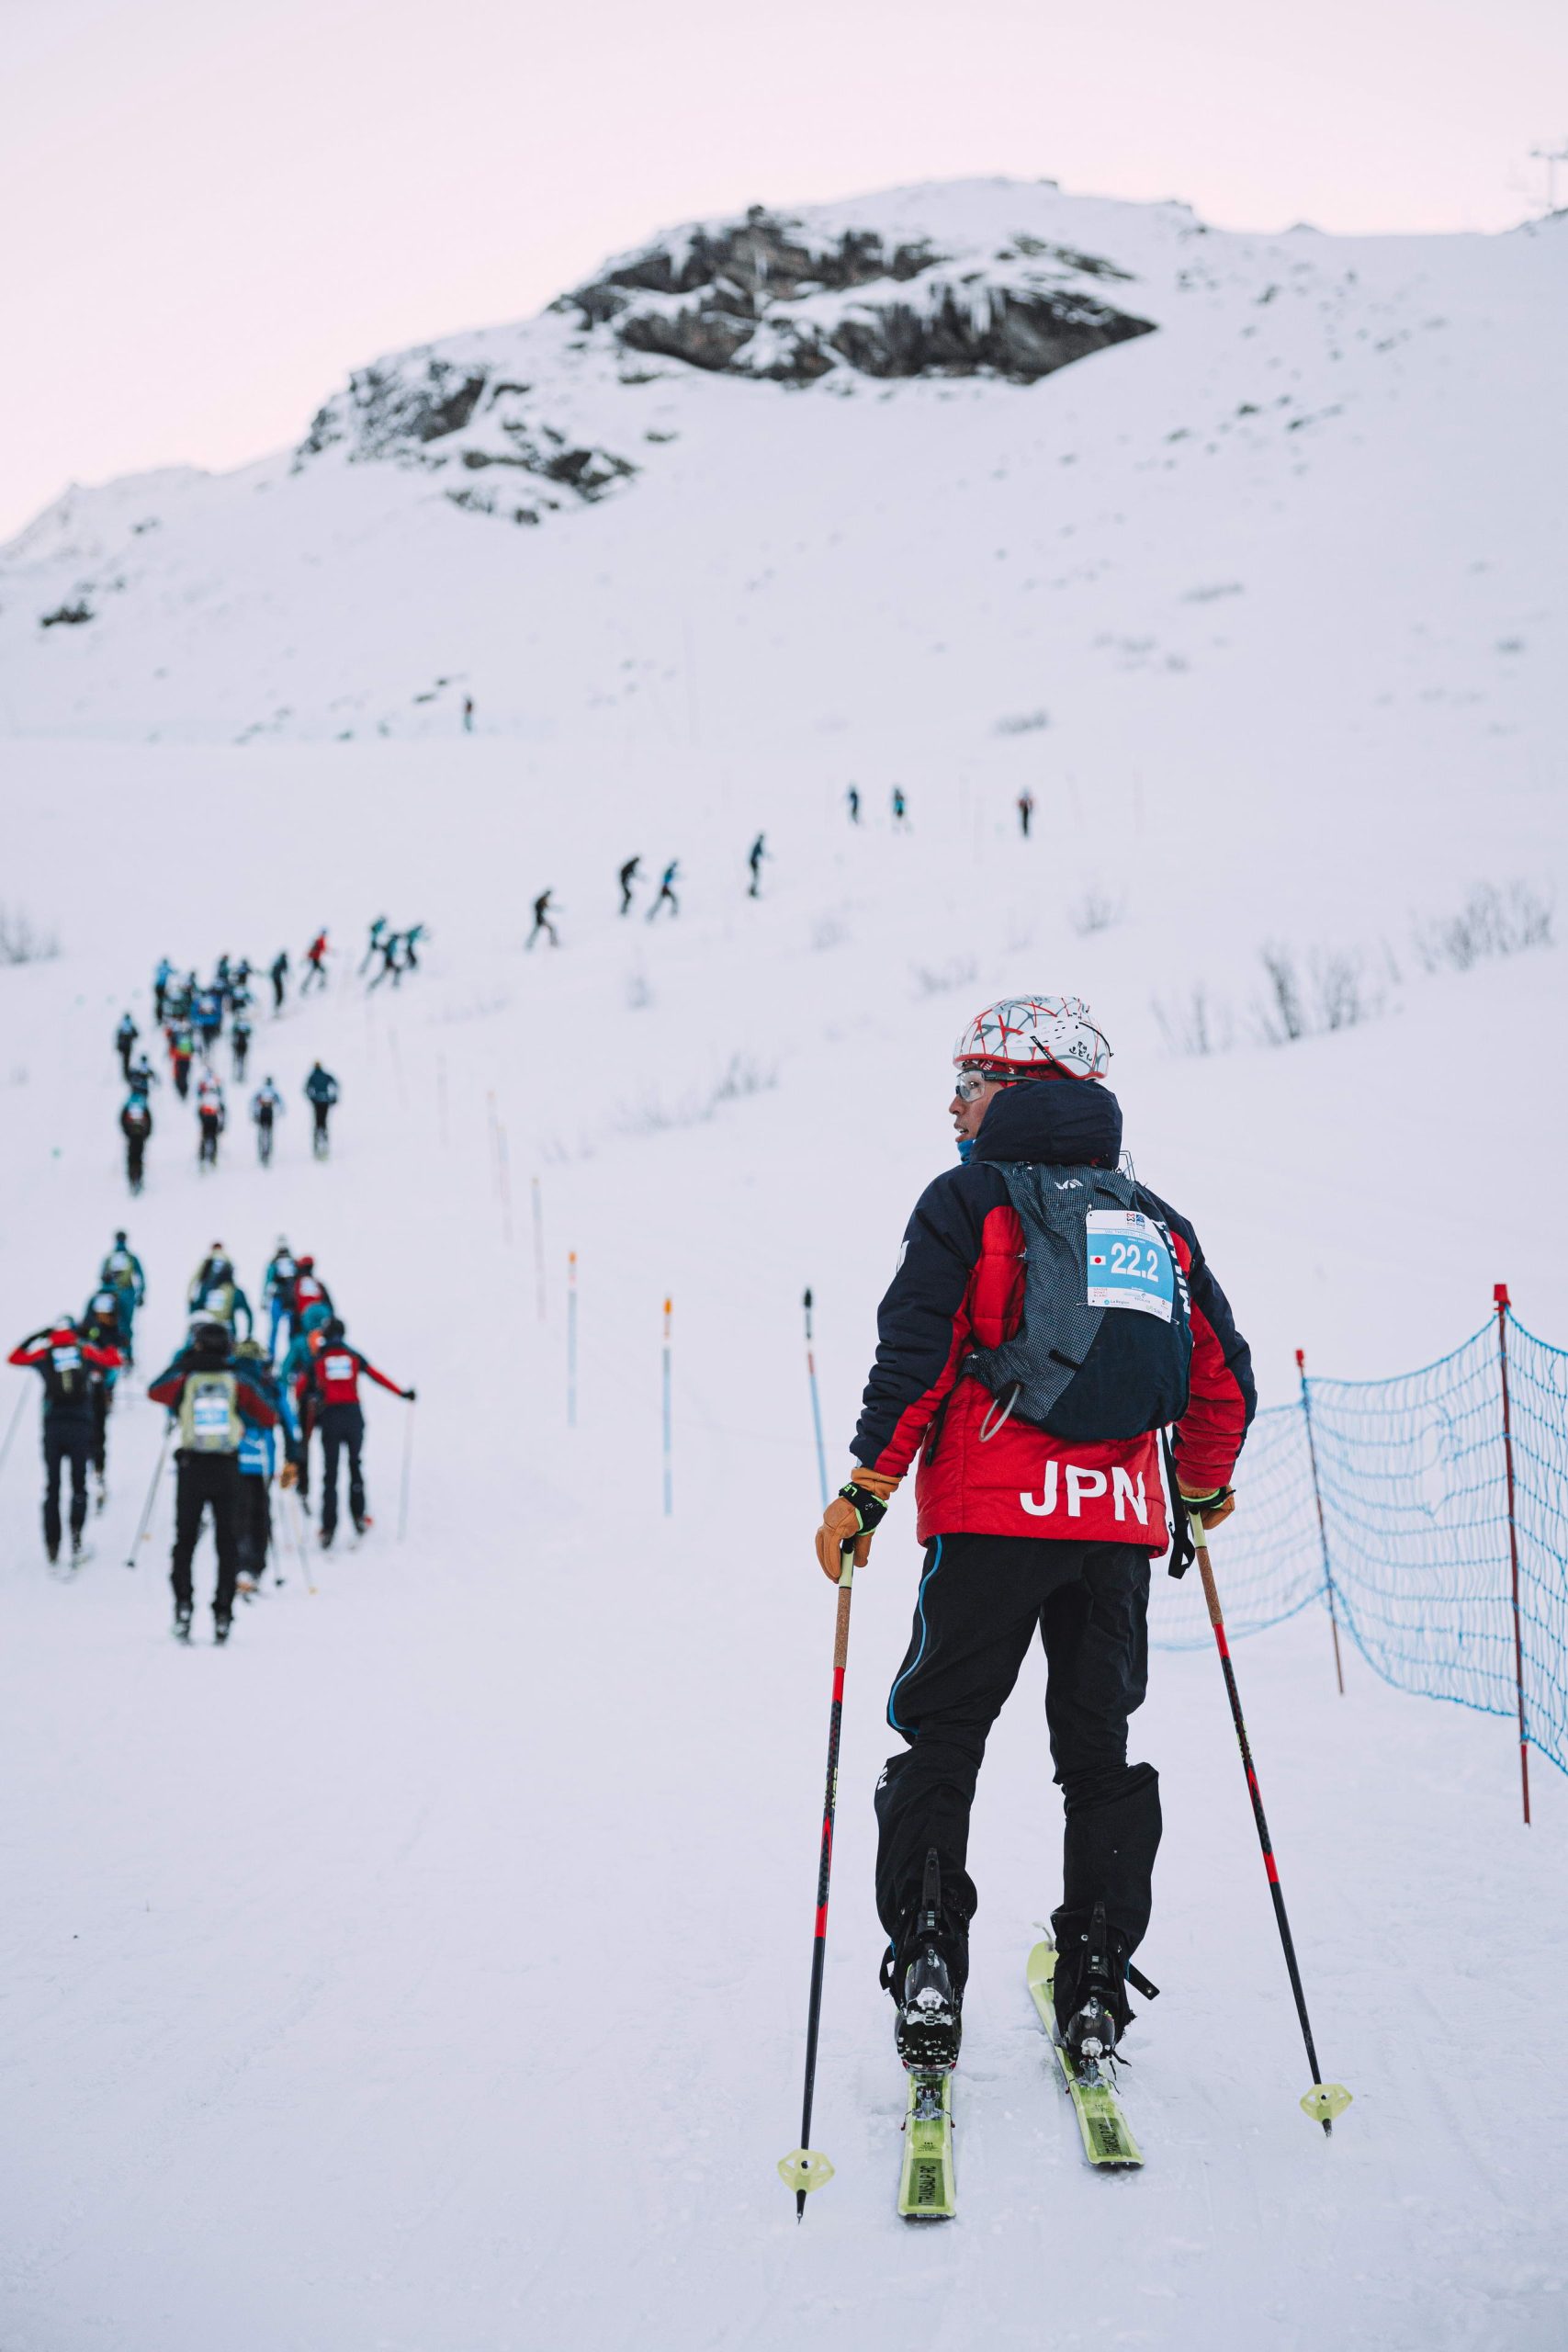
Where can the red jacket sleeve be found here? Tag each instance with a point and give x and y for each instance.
(366, 1365)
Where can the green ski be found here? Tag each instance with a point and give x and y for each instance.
(927, 2189)
(1107, 2140)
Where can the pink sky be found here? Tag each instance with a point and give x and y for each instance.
(214, 208)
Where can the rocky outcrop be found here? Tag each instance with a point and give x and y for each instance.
(758, 298)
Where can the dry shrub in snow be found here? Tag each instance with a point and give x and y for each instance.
(1335, 991)
(1196, 1024)
(1096, 911)
(941, 980)
(741, 1077)
(1493, 922)
(21, 943)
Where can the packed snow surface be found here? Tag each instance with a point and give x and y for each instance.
(428, 1969)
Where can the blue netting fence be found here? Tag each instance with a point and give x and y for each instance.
(1415, 1554)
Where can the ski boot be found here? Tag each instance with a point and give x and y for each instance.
(222, 1621)
(325, 1538)
(52, 1551)
(102, 1493)
(182, 1622)
(1091, 1991)
(930, 2022)
(78, 1551)
(246, 1588)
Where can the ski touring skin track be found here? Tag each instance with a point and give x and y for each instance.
(928, 2190)
(1107, 2142)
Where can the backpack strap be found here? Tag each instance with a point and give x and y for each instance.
(1183, 1551)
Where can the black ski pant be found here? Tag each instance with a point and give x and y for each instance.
(65, 1441)
(135, 1150)
(102, 1397)
(343, 1430)
(982, 1600)
(206, 1481)
(252, 1525)
(319, 1132)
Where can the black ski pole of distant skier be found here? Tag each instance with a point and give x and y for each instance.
(16, 1424)
(152, 1495)
(408, 1466)
(804, 2168)
(1325, 2100)
(815, 1402)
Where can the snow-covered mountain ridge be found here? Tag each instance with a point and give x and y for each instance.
(1045, 440)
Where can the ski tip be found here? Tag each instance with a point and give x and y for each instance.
(1324, 2102)
(804, 2170)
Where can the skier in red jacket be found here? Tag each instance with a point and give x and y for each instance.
(328, 1390)
(1049, 1317)
(65, 1362)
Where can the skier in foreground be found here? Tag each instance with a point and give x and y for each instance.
(213, 1402)
(331, 1397)
(1048, 1317)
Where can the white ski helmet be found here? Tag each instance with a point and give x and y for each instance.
(1025, 1035)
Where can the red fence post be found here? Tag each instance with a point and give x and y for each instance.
(1322, 1529)
(1500, 1295)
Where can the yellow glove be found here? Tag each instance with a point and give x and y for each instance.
(289, 1475)
(853, 1517)
(1210, 1509)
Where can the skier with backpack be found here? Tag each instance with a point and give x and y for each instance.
(321, 1093)
(99, 1323)
(121, 1270)
(125, 1037)
(1050, 1316)
(277, 973)
(258, 1459)
(136, 1126)
(294, 1378)
(240, 1039)
(666, 892)
(182, 1049)
(66, 1363)
(278, 1292)
(315, 965)
(267, 1104)
(215, 1292)
(308, 1290)
(213, 1401)
(331, 1396)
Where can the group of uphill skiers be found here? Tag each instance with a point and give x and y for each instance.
(234, 1401)
(1050, 1319)
(320, 1092)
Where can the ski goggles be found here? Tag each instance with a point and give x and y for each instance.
(970, 1084)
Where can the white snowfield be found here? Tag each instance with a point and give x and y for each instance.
(428, 1970)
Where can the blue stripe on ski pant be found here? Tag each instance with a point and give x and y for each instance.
(920, 1613)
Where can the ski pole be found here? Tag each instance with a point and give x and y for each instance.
(16, 1424)
(152, 1495)
(302, 1529)
(805, 2168)
(408, 1472)
(815, 1402)
(1325, 2100)
(572, 1340)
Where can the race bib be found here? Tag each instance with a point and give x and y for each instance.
(210, 1415)
(1129, 1262)
(338, 1367)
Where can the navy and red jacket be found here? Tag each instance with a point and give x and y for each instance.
(960, 1285)
(255, 1405)
(39, 1353)
(333, 1377)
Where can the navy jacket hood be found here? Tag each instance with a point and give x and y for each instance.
(1065, 1123)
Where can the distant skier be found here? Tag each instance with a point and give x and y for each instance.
(754, 857)
(277, 973)
(161, 979)
(331, 1388)
(65, 1362)
(258, 1459)
(627, 877)
(143, 1076)
(542, 920)
(207, 1018)
(373, 944)
(267, 1104)
(1040, 1507)
(293, 1374)
(467, 714)
(136, 1126)
(214, 1401)
(211, 1118)
(278, 1290)
(392, 960)
(900, 810)
(321, 1093)
(1025, 811)
(182, 1051)
(309, 1290)
(125, 1037)
(315, 963)
(411, 938)
(240, 1042)
(121, 1270)
(666, 896)
(852, 798)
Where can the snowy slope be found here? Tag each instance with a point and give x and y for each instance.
(428, 1970)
